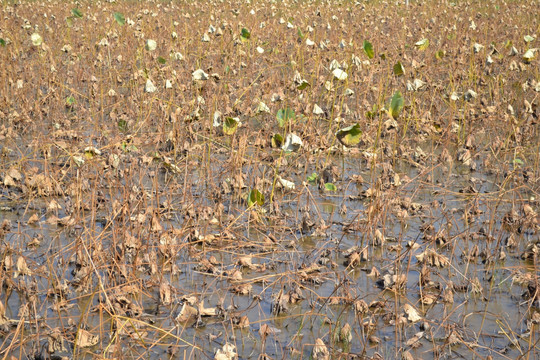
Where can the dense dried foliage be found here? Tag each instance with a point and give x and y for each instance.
(242, 179)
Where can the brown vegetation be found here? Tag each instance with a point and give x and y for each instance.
(272, 180)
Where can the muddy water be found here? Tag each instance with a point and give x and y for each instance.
(488, 315)
(490, 319)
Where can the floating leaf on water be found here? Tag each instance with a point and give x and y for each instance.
(340, 74)
(292, 143)
(119, 17)
(399, 70)
(230, 125)
(36, 39)
(283, 116)
(412, 313)
(151, 45)
(368, 49)
(396, 105)
(393, 281)
(245, 34)
(350, 135)
(76, 13)
(255, 197)
(330, 187)
(199, 75)
(422, 44)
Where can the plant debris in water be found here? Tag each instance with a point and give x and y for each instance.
(273, 180)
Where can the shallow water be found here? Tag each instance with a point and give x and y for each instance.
(118, 244)
(488, 320)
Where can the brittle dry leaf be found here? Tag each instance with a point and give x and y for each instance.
(187, 312)
(4, 320)
(207, 311)
(165, 293)
(86, 339)
(345, 333)
(243, 289)
(320, 351)
(432, 258)
(22, 268)
(227, 352)
(414, 341)
(55, 341)
(412, 313)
